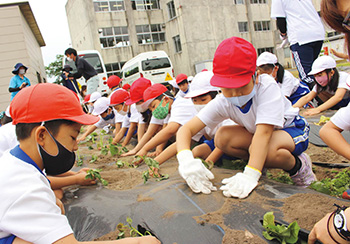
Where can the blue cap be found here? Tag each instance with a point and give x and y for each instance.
(17, 66)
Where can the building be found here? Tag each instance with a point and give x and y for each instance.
(189, 31)
(20, 42)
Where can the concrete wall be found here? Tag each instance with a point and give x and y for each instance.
(17, 44)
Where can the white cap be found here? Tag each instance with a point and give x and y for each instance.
(94, 96)
(7, 111)
(266, 58)
(190, 78)
(173, 83)
(100, 106)
(201, 84)
(322, 63)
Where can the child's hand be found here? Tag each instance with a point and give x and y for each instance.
(81, 180)
(311, 111)
(80, 139)
(130, 153)
(148, 240)
(154, 154)
(154, 172)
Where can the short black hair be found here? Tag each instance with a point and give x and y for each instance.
(70, 50)
(183, 82)
(212, 94)
(5, 120)
(24, 130)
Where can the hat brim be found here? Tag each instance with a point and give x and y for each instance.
(84, 119)
(315, 71)
(130, 102)
(231, 81)
(197, 93)
(15, 71)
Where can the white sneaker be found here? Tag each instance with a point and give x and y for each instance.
(304, 177)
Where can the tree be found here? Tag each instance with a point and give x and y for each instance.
(54, 69)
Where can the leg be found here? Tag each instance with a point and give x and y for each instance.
(201, 151)
(20, 241)
(92, 84)
(234, 141)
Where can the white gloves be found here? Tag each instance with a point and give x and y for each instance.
(241, 184)
(197, 176)
(284, 40)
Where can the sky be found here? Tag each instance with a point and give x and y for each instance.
(51, 18)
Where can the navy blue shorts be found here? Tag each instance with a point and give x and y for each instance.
(7, 240)
(302, 90)
(299, 131)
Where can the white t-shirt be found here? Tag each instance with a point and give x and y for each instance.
(181, 93)
(8, 138)
(303, 22)
(28, 207)
(212, 131)
(268, 106)
(341, 118)
(289, 84)
(159, 121)
(343, 77)
(135, 117)
(102, 123)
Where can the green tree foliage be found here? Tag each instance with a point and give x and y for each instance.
(54, 69)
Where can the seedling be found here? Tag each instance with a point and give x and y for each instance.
(94, 174)
(281, 177)
(93, 159)
(209, 165)
(125, 150)
(152, 165)
(335, 186)
(104, 150)
(323, 120)
(121, 164)
(79, 160)
(133, 231)
(284, 234)
(103, 132)
(113, 149)
(92, 137)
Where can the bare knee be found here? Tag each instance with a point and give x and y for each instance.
(201, 151)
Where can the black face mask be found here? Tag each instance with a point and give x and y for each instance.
(59, 164)
(109, 116)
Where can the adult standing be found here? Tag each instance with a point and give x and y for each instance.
(67, 81)
(19, 81)
(298, 21)
(83, 69)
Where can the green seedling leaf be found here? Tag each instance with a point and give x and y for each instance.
(282, 233)
(93, 159)
(208, 165)
(104, 150)
(137, 160)
(79, 160)
(110, 140)
(93, 134)
(113, 149)
(94, 174)
(163, 177)
(90, 147)
(145, 176)
(120, 163)
(124, 149)
(103, 132)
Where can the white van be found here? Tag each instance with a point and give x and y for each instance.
(155, 66)
(95, 59)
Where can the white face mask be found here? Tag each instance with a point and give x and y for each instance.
(122, 112)
(22, 71)
(199, 107)
(140, 109)
(69, 59)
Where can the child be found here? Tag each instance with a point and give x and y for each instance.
(114, 83)
(105, 114)
(136, 96)
(126, 87)
(161, 104)
(330, 87)
(182, 83)
(268, 132)
(131, 116)
(291, 87)
(28, 212)
(70, 83)
(201, 94)
(92, 99)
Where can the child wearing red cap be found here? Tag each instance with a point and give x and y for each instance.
(182, 83)
(162, 104)
(47, 140)
(132, 118)
(114, 83)
(269, 132)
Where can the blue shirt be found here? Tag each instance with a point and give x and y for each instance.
(16, 82)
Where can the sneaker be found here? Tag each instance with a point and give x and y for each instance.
(304, 177)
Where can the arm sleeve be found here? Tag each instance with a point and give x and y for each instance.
(277, 9)
(14, 89)
(281, 24)
(101, 123)
(212, 114)
(13, 84)
(80, 69)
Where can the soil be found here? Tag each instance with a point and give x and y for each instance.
(299, 207)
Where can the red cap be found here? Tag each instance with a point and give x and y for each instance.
(87, 98)
(234, 63)
(154, 91)
(126, 86)
(45, 102)
(204, 70)
(136, 90)
(180, 78)
(113, 81)
(119, 96)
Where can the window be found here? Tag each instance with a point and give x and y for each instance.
(261, 25)
(131, 70)
(171, 9)
(108, 5)
(145, 4)
(156, 63)
(258, 1)
(177, 43)
(243, 26)
(114, 69)
(148, 34)
(333, 33)
(114, 37)
(238, 1)
(265, 49)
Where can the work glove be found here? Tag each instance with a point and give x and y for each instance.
(196, 175)
(284, 39)
(241, 184)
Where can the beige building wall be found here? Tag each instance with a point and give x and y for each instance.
(17, 44)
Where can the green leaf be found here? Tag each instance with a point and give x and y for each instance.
(120, 164)
(129, 220)
(93, 159)
(268, 236)
(269, 219)
(90, 147)
(294, 231)
(113, 149)
(104, 182)
(145, 176)
(124, 149)
(163, 177)
(104, 150)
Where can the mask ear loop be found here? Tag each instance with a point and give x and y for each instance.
(43, 124)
